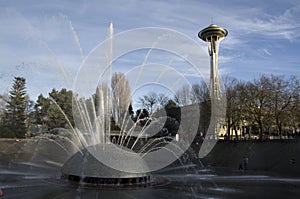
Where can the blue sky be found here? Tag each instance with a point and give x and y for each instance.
(45, 41)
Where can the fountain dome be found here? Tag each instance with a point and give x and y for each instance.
(84, 168)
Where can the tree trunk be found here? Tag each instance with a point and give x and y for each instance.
(228, 128)
(236, 134)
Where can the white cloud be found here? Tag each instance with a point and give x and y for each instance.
(281, 26)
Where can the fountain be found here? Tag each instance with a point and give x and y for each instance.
(92, 116)
(93, 164)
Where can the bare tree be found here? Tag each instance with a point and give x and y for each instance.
(233, 108)
(285, 103)
(295, 105)
(121, 97)
(199, 92)
(281, 99)
(148, 101)
(3, 104)
(183, 95)
(162, 99)
(258, 103)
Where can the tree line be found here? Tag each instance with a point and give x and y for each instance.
(268, 105)
(19, 114)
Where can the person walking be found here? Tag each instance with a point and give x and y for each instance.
(1, 193)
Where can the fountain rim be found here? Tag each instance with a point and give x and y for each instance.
(83, 168)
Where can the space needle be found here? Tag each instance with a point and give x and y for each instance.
(212, 35)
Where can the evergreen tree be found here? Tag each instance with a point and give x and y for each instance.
(15, 113)
(41, 109)
(54, 111)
